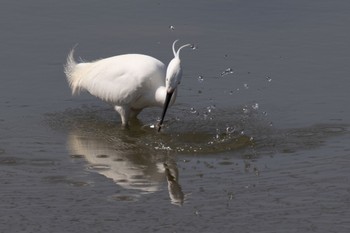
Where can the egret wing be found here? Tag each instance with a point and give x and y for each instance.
(120, 79)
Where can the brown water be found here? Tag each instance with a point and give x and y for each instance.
(264, 148)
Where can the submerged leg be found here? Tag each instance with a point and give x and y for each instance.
(124, 113)
(135, 112)
(133, 117)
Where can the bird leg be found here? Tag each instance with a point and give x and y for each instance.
(124, 113)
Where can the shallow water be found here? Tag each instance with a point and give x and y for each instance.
(256, 142)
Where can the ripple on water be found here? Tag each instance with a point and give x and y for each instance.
(10, 161)
(98, 167)
(124, 198)
(77, 156)
(65, 180)
(211, 130)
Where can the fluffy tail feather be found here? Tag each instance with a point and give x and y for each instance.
(69, 70)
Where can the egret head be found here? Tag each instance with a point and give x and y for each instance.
(172, 78)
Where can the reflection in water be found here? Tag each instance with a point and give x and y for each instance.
(140, 159)
(138, 170)
(175, 191)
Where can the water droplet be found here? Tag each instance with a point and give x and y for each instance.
(205, 116)
(268, 78)
(265, 113)
(246, 86)
(255, 106)
(172, 27)
(200, 78)
(226, 72)
(251, 139)
(193, 110)
(217, 136)
(230, 129)
(193, 46)
(210, 108)
(242, 132)
(231, 93)
(256, 171)
(230, 195)
(245, 109)
(163, 147)
(152, 126)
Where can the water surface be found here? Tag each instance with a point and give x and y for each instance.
(257, 140)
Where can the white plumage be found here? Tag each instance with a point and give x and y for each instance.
(130, 82)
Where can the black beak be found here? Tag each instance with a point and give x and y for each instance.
(166, 104)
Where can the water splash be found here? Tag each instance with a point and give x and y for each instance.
(226, 72)
(200, 79)
(211, 108)
(245, 109)
(171, 27)
(230, 130)
(161, 146)
(255, 106)
(193, 110)
(268, 78)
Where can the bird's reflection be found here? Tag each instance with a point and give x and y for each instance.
(175, 191)
(127, 161)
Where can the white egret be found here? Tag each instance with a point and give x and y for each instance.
(130, 82)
